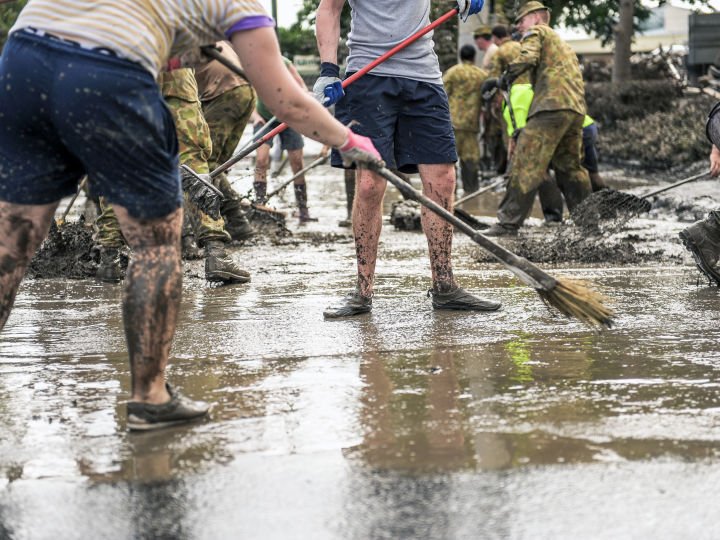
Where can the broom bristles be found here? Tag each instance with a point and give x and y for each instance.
(574, 299)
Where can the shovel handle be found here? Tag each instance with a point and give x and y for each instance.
(319, 161)
(676, 184)
(480, 191)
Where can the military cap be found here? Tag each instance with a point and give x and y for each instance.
(530, 7)
(484, 30)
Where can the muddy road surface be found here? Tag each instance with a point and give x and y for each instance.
(404, 423)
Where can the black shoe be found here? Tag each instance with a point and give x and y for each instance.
(352, 304)
(703, 240)
(460, 299)
(219, 266)
(501, 230)
(179, 410)
(109, 268)
(345, 223)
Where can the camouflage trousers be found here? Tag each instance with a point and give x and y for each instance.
(552, 138)
(227, 115)
(468, 148)
(195, 148)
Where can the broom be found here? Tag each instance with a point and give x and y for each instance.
(611, 204)
(572, 298)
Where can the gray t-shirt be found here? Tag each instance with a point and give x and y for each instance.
(379, 25)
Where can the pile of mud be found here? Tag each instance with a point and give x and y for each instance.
(643, 66)
(405, 216)
(571, 245)
(660, 140)
(67, 252)
(610, 103)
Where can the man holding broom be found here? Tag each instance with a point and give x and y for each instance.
(402, 106)
(79, 96)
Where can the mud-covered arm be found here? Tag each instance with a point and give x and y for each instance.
(528, 58)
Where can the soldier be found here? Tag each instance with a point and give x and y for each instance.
(180, 92)
(462, 84)
(228, 100)
(484, 42)
(553, 134)
(702, 239)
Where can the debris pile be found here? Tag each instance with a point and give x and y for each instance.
(67, 252)
(405, 216)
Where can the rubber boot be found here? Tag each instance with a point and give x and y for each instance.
(219, 266)
(109, 268)
(349, 197)
(260, 192)
(236, 222)
(469, 172)
(301, 200)
(515, 208)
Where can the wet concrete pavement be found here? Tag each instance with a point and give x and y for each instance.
(402, 424)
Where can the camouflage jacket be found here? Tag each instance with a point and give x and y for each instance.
(554, 71)
(462, 84)
(179, 83)
(505, 55)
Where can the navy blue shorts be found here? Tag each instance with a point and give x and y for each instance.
(289, 138)
(407, 120)
(67, 111)
(590, 159)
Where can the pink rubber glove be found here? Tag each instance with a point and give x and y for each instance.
(359, 150)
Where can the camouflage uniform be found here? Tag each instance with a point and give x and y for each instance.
(507, 52)
(553, 134)
(462, 84)
(227, 115)
(181, 95)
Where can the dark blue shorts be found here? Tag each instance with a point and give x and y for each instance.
(407, 120)
(67, 111)
(289, 138)
(590, 159)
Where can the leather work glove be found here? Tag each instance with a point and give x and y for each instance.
(359, 150)
(469, 7)
(328, 88)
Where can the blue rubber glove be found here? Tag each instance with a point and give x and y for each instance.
(328, 88)
(469, 7)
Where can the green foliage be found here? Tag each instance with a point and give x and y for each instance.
(8, 15)
(596, 18)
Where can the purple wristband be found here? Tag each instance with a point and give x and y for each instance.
(250, 23)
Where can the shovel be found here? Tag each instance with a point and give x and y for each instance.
(610, 204)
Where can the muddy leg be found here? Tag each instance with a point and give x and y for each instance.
(153, 288)
(22, 229)
(262, 164)
(367, 223)
(439, 185)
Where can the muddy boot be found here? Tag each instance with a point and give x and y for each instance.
(551, 201)
(703, 240)
(459, 299)
(469, 172)
(190, 249)
(260, 192)
(301, 200)
(236, 222)
(501, 229)
(219, 266)
(352, 304)
(109, 268)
